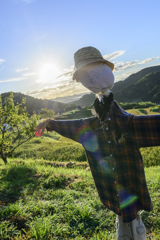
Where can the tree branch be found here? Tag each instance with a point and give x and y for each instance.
(20, 144)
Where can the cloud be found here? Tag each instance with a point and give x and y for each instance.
(29, 74)
(1, 60)
(66, 75)
(32, 92)
(67, 72)
(22, 69)
(63, 90)
(124, 65)
(119, 66)
(13, 79)
(114, 55)
(148, 60)
(65, 86)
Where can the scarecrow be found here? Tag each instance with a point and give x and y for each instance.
(112, 139)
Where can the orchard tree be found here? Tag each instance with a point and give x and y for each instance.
(16, 127)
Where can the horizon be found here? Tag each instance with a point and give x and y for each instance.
(38, 41)
(75, 97)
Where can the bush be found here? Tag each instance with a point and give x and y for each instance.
(142, 111)
(151, 156)
(135, 105)
(155, 109)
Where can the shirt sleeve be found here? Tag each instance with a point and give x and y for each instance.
(146, 130)
(74, 129)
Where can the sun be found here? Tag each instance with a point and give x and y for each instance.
(48, 73)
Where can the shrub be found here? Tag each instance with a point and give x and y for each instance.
(155, 109)
(142, 111)
(151, 156)
(134, 105)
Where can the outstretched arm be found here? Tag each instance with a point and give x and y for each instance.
(146, 130)
(73, 129)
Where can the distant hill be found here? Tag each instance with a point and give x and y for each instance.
(68, 99)
(86, 100)
(34, 104)
(134, 78)
(145, 89)
(129, 89)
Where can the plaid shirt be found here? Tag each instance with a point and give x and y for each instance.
(112, 149)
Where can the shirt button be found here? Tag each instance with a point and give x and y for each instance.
(109, 119)
(107, 128)
(111, 155)
(115, 182)
(100, 122)
(113, 168)
(109, 141)
(117, 195)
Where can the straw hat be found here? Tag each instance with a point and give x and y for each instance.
(86, 56)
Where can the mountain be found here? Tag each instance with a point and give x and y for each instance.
(34, 104)
(146, 89)
(69, 99)
(141, 86)
(86, 100)
(135, 77)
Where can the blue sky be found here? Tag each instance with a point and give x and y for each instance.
(39, 37)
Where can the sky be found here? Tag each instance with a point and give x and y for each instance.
(38, 39)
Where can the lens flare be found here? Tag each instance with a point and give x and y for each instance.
(126, 199)
(87, 138)
(89, 141)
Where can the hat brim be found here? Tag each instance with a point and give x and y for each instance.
(109, 64)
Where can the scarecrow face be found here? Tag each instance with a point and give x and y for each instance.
(97, 77)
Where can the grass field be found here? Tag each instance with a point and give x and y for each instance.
(142, 111)
(44, 202)
(42, 198)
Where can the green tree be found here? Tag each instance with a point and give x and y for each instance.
(16, 127)
(45, 113)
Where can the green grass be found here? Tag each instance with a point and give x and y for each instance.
(43, 202)
(53, 147)
(76, 114)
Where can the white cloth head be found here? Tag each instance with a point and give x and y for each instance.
(97, 77)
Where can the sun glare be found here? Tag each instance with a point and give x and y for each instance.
(48, 73)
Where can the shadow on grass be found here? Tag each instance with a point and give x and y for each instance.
(14, 180)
